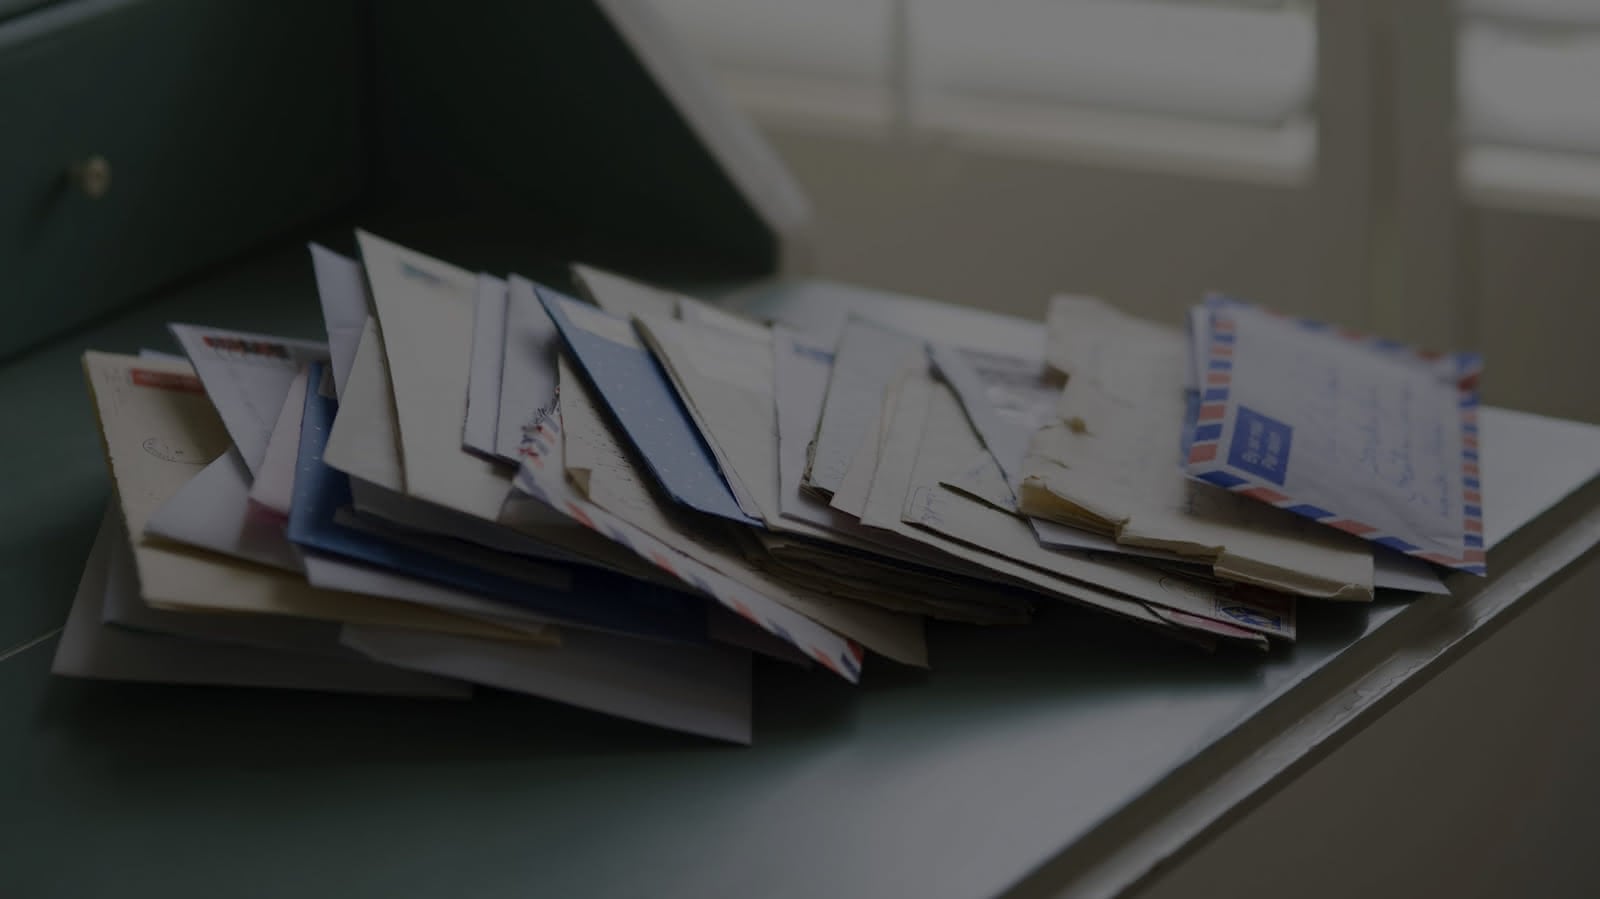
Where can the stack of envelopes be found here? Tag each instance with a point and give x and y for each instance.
(612, 501)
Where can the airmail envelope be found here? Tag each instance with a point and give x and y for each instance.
(1365, 435)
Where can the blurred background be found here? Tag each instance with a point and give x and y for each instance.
(1426, 169)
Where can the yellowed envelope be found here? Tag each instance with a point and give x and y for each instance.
(1107, 464)
(159, 430)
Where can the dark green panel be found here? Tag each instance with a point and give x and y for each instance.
(222, 122)
(544, 106)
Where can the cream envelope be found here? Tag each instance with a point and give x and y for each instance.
(90, 648)
(159, 431)
(1004, 543)
(125, 608)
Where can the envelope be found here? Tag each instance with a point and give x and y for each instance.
(725, 382)
(424, 310)
(1364, 435)
(623, 297)
(342, 290)
(246, 375)
(364, 443)
(331, 572)
(89, 648)
(124, 607)
(596, 599)
(909, 500)
(866, 362)
(482, 425)
(1006, 397)
(1009, 398)
(1109, 463)
(273, 488)
(822, 309)
(640, 398)
(801, 370)
(528, 384)
(159, 431)
(212, 511)
(802, 367)
(698, 690)
(543, 478)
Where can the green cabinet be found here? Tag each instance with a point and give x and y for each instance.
(216, 124)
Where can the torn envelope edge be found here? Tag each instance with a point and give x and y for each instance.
(1120, 586)
(840, 655)
(1206, 438)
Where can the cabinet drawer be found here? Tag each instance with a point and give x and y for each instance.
(219, 124)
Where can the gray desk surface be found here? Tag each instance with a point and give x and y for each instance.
(957, 782)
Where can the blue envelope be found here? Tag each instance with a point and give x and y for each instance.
(643, 402)
(597, 599)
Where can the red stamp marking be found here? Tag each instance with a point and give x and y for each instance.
(166, 380)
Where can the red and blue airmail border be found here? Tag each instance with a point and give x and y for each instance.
(1274, 422)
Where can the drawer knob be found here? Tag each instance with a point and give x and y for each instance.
(92, 176)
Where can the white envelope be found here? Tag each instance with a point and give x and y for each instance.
(623, 296)
(697, 690)
(273, 489)
(488, 358)
(866, 362)
(528, 382)
(364, 443)
(342, 289)
(246, 377)
(213, 511)
(823, 308)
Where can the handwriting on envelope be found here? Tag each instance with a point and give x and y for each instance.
(1368, 436)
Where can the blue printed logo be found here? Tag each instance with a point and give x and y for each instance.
(1252, 617)
(1260, 446)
